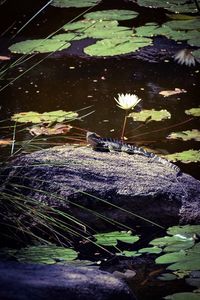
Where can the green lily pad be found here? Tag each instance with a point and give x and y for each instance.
(167, 277)
(193, 111)
(186, 230)
(112, 14)
(70, 36)
(183, 296)
(173, 243)
(187, 156)
(74, 3)
(40, 46)
(184, 25)
(186, 135)
(196, 53)
(147, 30)
(44, 254)
(111, 238)
(151, 250)
(116, 46)
(89, 25)
(154, 115)
(128, 253)
(46, 117)
(179, 6)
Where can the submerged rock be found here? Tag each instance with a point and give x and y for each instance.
(72, 176)
(35, 282)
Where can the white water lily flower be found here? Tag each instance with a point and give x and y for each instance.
(127, 101)
(185, 57)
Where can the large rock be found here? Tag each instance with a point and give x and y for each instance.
(69, 177)
(43, 282)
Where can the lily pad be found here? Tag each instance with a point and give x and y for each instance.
(183, 296)
(74, 3)
(44, 254)
(186, 230)
(112, 14)
(184, 24)
(128, 253)
(151, 250)
(167, 277)
(70, 36)
(193, 111)
(117, 46)
(187, 156)
(173, 243)
(196, 53)
(111, 238)
(40, 46)
(89, 25)
(179, 6)
(46, 117)
(154, 115)
(186, 135)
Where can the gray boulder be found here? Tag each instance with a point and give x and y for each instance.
(42, 282)
(125, 188)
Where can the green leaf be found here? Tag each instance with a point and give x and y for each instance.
(148, 30)
(176, 6)
(114, 46)
(70, 36)
(196, 54)
(40, 46)
(167, 277)
(46, 117)
(89, 25)
(183, 296)
(45, 254)
(151, 250)
(112, 14)
(187, 156)
(185, 24)
(111, 238)
(74, 3)
(186, 135)
(186, 230)
(128, 253)
(173, 243)
(193, 111)
(154, 115)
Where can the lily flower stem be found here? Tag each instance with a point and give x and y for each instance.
(124, 125)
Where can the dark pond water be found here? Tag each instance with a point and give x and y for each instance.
(75, 82)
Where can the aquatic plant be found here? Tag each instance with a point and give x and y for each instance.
(126, 102)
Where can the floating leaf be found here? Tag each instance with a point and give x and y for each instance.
(46, 117)
(186, 135)
(59, 128)
(155, 115)
(186, 230)
(196, 54)
(116, 46)
(167, 277)
(187, 156)
(74, 3)
(128, 253)
(173, 243)
(3, 58)
(84, 25)
(64, 37)
(112, 14)
(147, 30)
(5, 142)
(111, 238)
(44, 254)
(185, 24)
(40, 46)
(179, 6)
(183, 296)
(151, 250)
(193, 111)
(168, 93)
